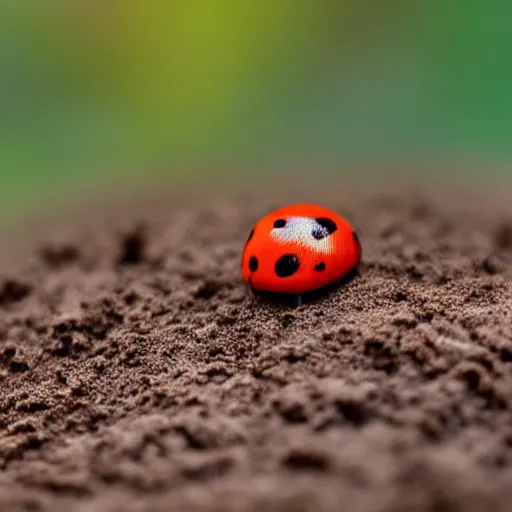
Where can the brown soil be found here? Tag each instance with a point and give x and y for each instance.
(137, 374)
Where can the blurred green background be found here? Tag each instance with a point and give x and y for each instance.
(97, 88)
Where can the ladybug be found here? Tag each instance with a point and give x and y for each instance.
(299, 249)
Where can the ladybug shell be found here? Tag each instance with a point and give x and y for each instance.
(298, 249)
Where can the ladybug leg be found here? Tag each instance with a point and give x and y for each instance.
(298, 300)
(249, 290)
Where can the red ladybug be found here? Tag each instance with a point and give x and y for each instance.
(299, 249)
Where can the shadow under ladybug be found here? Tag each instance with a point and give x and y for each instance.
(296, 300)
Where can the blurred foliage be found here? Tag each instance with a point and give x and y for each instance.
(87, 86)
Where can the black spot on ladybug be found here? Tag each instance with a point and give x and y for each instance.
(319, 267)
(328, 224)
(253, 264)
(251, 234)
(318, 234)
(280, 223)
(287, 265)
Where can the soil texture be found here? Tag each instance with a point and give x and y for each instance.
(138, 374)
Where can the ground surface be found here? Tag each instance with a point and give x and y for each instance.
(137, 374)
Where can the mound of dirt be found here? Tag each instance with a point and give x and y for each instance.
(138, 374)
